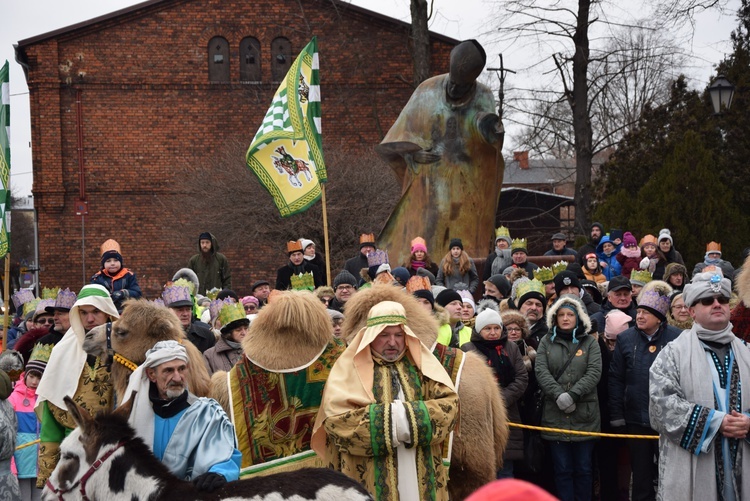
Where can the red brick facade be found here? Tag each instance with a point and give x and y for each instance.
(146, 105)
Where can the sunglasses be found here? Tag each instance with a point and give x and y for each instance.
(708, 301)
(47, 321)
(250, 308)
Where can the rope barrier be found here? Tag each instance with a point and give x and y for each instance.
(583, 433)
(27, 444)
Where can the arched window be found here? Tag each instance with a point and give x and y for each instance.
(218, 60)
(250, 60)
(281, 58)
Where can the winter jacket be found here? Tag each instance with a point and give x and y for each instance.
(355, 264)
(470, 279)
(503, 261)
(628, 262)
(594, 277)
(221, 357)
(445, 335)
(512, 393)
(121, 286)
(629, 373)
(579, 379)
(613, 267)
(567, 251)
(14, 334)
(600, 318)
(215, 273)
(24, 460)
(201, 335)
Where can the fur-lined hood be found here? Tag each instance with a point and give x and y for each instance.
(583, 317)
(516, 317)
(742, 282)
(421, 322)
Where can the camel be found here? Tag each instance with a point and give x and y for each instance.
(103, 459)
(140, 326)
(479, 443)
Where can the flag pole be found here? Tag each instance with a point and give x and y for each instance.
(6, 309)
(325, 233)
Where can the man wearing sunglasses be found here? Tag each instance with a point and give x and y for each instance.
(696, 402)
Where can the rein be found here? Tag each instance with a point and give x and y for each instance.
(92, 469)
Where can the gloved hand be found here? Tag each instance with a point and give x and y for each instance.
(644, 263)
(617, 423)
(565, 402)
(400, 434)
(209, 481)
(117, 297)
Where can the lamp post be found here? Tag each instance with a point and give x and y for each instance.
(721, 92)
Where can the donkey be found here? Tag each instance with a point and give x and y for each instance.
(103, 459)
(141, 325)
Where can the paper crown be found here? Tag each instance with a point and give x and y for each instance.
(303, 281)
(110, 246)
(39, 357)
(418, 243)
(518, 244)
(65, 299)
(544, 274)
(367, 238)
(231, 312)
(175, 293)
(184, 282)
(529, 286)
(30, 306)
(22, 297)
(417, 283)
(293, 246)
(559, 266)
(377, 257)
(216, 305)
(42, 305)
(640, 277)
(652, 300)
(713, 247)
(648, 239)
(213, 293)
(50, 293)
(502, 232)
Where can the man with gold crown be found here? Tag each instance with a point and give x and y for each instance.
(387, 407)
(297, 273)
(500, 258)
(71, 372)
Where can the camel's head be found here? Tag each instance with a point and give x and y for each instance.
(140, 326)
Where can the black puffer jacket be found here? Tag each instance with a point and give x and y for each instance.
(628, 372)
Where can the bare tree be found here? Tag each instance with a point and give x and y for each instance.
(604, 87)
(420, 39)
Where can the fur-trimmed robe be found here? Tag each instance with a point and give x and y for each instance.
(478, 446)
(740, 317)
(273, 393)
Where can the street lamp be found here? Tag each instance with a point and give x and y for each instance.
(721, 91)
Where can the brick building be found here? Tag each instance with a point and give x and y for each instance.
(119, 101)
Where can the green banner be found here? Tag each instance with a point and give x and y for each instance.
(5, 160)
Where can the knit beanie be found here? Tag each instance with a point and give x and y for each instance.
(205, 236)
(425, 294)
(665, 234)
(467, 298)
(448, 296)
(456, 242)
(487, 317)
(566, 279)
(628, 240)
(502, 284)
(616, 322)
(401, 275)
(344, 278)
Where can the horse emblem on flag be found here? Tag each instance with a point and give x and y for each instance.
(292, 166)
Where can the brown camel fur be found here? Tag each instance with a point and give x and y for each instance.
(141, 325)
(288, 332)
(483, 425)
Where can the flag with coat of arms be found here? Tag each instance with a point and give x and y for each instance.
(4, 159)
(286, 152)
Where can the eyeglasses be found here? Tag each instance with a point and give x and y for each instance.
(513, 329)
(680, 307)
(47, 321)
(344, 288)
(251, 307)
(708, 301)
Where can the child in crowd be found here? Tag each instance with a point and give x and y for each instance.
(629, 256)
(592, 269)
(118, 280)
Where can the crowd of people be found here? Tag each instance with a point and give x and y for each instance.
(615, 337)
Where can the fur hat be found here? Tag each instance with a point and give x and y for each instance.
(516, 317)
(11, 362)
(487, 317)
(324, 290)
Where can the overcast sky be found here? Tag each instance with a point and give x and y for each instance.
(460, 19)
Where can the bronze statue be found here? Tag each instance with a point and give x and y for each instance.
(445, 148)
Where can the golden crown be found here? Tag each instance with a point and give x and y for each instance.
(559, 266)
(502, 232)
(641, 276)
(544, 274)
(529, 286)
(303, 281)
(518, 243)
(50, 293)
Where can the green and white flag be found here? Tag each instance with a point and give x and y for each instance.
(5, 160)
(286, 152)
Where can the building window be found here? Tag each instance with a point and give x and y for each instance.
(250, 60)
(218, 60)
(281, 58)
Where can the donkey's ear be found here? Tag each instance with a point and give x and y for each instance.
(124, 409)
(80, 415)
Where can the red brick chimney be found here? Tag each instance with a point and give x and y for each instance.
(522, 157)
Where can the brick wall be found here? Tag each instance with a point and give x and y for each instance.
(147, 106)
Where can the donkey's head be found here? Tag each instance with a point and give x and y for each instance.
(92, 439)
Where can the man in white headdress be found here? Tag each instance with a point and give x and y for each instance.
(696, 402)
(192, 436)
(71, 372)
